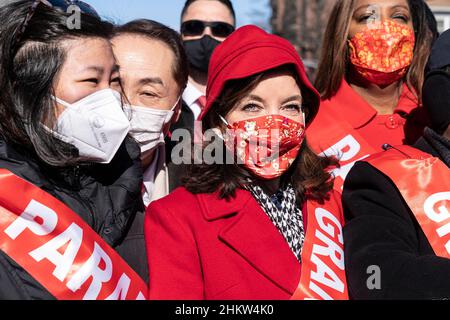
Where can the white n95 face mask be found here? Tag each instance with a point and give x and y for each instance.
(96, 125)
(147, 125)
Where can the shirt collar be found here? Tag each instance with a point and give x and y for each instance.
(359, 112)
(408, 101)
(149, 179)
(191, 94)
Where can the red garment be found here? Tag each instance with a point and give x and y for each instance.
(205, 248)
(257, 139)
(202, 102)
(201, 247)
(249, 51)
(376, 129)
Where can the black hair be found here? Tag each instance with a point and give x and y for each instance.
(30, 60)
(227, 3)
(155, 30)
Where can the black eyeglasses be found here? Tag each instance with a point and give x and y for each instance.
(197, 27)
(62, 5)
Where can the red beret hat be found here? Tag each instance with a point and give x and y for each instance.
(249, 51)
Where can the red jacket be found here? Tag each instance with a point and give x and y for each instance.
(404, 126)
(201, 247)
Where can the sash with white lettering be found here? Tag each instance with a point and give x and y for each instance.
(58, 249)
(424, 183)
(323, 269)
(336, 137)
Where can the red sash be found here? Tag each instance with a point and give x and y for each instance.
(58, 249)
(336, 137)
(323, 270)
(424, 183)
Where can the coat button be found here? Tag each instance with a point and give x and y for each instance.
(391, 123)
(107, 230)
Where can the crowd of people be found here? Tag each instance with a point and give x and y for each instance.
(279, 188)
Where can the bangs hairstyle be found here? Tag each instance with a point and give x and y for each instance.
(307, 174)
(28, 69)
(334, 60)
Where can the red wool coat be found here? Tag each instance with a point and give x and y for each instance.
(200, 247)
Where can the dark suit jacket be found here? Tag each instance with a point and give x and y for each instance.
(381, 230)
(177, 172)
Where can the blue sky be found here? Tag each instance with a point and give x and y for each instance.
(168, 11)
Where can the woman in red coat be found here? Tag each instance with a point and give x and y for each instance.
(262, 221)
(370, 78)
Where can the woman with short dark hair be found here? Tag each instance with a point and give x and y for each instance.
(251, 223)
(70, 179)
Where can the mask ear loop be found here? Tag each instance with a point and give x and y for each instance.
(61, 102)
(172, 111)
(224, 121)
(217, 130)
(176, 104)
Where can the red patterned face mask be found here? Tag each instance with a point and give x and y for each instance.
(266, 145)
(383, 54)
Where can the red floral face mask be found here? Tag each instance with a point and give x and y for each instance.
(383, 54)
(266, 145)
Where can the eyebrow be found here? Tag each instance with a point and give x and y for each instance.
(116, 68)
(97, 69)
(151, 80)
(296, 97)
(364, 6)
(402, 6)
(101, 70)
(253, 97)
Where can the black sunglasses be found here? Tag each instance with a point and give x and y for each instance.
(197, 27)
(57, 4)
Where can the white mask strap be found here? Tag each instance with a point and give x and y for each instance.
(62, 102)
(223, 120)
(172, 111)
(176, 104)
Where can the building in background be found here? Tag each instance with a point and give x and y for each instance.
(303, 23)
(441, 9)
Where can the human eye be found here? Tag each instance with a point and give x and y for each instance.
(251, 107)
(401, 16)
(116, 80)
(91, 80)
(293, 107)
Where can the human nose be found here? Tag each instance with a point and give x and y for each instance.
(207, 31)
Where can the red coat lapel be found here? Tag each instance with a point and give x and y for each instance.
(250, 233)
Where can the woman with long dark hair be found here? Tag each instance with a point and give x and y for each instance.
(262, 221)
(397, 206)
(69, 178)
(370, 78)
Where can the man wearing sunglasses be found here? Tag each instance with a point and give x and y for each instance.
(204, 25)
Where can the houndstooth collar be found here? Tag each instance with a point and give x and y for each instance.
(284, 213)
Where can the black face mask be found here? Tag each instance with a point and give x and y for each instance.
(436, 98)
(199, 52)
